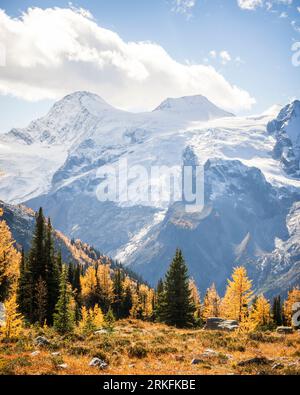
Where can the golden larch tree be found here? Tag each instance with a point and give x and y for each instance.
(196, 299)
(98, 317)
(88, 281)
(260, 314)
(146, 296)
(212, 302)
(9, 261)
(13, 320)
(106, 283)
(91, 319)
(238, 295)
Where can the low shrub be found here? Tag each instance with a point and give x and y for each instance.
(137, 350)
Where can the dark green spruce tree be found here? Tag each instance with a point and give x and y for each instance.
(25, 289)
(52, 274)
(74, 279)
(159, 301)
(58, 259)
(118, 294)
(127, 302)
(277, 312)
(178, 307)
(64, 315)
(37, 262)
(38, 286)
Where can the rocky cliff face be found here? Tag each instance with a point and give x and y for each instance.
(286, 129)
(243, 219)
(278, 271)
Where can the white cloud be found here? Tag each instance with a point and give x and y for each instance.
(52, 52)
(295, 26)
(283, 15)
(225, 57)
(213, 54)
(250, 4)
(298, 8)
(183, 6)
(253, 4)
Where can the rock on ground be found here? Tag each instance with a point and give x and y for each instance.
(285, 330)
(41, 341)
(99, 363)
(255, 361)
(221, 324)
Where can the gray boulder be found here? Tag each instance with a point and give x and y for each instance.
(98, 363)
(197, 361)
(41, 341)
(209, 353)
(2, 314)
(284, 330)
(255, 361)
(101, 332)
(221, 324)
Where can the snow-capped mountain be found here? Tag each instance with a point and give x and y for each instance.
(55, 163)
(192, 108)
(68, 120)
(286, 129)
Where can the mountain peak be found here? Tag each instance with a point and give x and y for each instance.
(81, 99)
(193, 108)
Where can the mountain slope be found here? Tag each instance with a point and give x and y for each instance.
(243, 217)
(279, 270)
(21, 222)
(55, 163)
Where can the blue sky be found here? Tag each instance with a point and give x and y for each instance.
(250, 48)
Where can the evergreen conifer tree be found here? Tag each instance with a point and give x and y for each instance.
(41, 297)
(64, 314)
(52, 274)
(178, 307)
(159, 301)
(118, 294)
(277, 312)
(127, 302)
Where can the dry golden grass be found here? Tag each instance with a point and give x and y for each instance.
(137, 347)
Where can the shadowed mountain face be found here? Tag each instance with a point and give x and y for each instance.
(242, 218)
(21, 222)
(251, 184)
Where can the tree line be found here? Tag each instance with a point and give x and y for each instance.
(38, 288)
